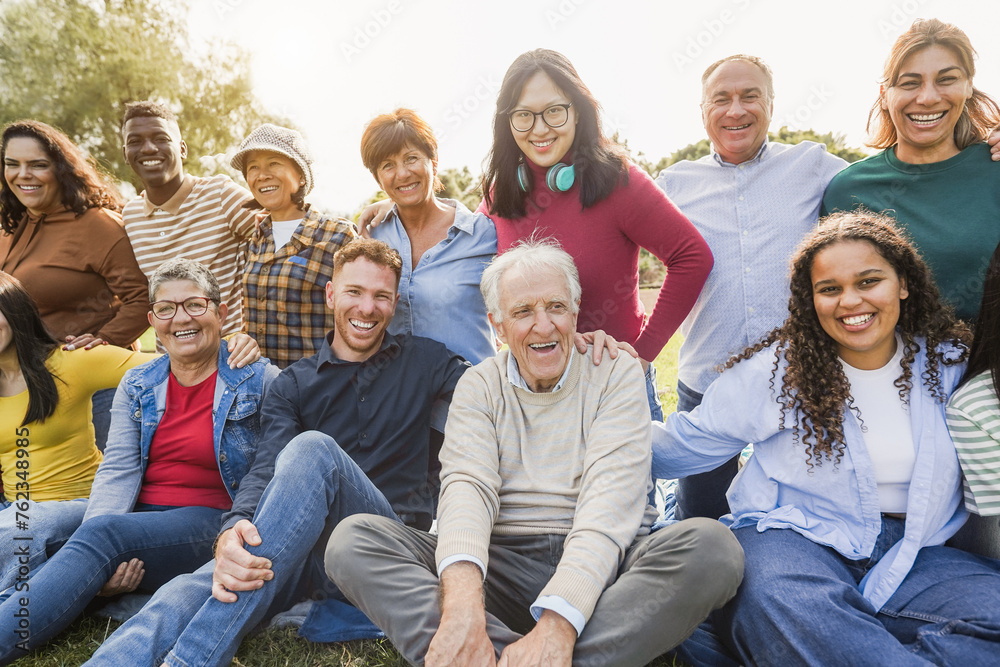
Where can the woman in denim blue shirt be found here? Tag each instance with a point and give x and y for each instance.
(444, 246)
(183, 435)
(854, 484)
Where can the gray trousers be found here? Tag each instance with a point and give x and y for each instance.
(669, 582)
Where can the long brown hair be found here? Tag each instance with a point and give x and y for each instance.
(981, 113)
(81, 185)
(814, 387)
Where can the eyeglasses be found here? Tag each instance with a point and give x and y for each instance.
(193, 306)
(554, 116)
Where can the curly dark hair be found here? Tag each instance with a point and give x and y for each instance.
(82, 185)
(600, 164)
(814, 387)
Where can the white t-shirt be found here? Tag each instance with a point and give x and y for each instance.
(885, 421)
(282, 231)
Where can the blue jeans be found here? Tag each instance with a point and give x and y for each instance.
(101, 415)
(800, 604)
(315, 485)
(50, 524)
(703, 494)
(168, 542)
(652, 396)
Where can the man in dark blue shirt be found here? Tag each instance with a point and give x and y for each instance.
(344, 431)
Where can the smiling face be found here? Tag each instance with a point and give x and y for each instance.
(362, 296)
(407, 177)
(188, 340)
(155, 151)
(273, 179)
(736, 110)
(925, 103)
(857, 296)
(538, 325)
(544, 145)
(30, 174)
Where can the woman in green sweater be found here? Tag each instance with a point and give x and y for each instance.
(935, 175)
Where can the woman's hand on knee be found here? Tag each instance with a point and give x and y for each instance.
(126, 579)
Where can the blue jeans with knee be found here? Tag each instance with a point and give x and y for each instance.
(49, 524)
(315, 485)
(800, 604)
(703, 494)
(169, 542)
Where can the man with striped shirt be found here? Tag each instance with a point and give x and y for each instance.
(179, 215)
(543, 511)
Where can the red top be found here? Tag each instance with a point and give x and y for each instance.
(182, 469)
(604, 241)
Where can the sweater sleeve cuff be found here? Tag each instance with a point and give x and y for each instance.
(560, 606)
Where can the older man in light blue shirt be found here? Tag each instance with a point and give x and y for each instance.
(752, 201)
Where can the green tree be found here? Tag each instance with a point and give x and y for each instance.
(74, 64)
(461, 185)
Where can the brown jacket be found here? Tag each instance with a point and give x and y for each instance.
(81, 272)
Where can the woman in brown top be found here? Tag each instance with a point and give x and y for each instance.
(63, 239)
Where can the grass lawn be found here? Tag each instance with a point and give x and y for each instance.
(283, 647)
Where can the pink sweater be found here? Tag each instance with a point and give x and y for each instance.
(604, 240)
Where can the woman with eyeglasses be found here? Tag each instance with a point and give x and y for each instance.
(183, 435)
(553, 173)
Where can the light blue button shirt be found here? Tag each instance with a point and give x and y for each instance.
(556, 603)
(440, 298)
(752, 215)
(833, 505)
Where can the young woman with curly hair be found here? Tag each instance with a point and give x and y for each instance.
(854, 484)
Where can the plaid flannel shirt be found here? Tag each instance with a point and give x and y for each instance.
(284, 289)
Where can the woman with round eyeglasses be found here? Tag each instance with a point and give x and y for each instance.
(553, 173)
(934, 176)
(183, 434)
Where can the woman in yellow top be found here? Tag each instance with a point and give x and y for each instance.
(47, 451)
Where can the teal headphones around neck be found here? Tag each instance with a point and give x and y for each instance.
(559, 178)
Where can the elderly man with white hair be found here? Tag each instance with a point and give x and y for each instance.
(544, 552)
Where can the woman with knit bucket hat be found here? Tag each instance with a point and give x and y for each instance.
(290, 253)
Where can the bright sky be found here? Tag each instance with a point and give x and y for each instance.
(331, 66)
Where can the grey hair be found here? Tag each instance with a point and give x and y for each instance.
(530, 257)
(185, 269)
(753, 60)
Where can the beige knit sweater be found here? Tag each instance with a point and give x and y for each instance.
(574, 462)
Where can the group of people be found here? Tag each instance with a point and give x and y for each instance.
(234, 491)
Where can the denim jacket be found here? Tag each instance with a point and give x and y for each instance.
(833, 505)
(139, 405)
